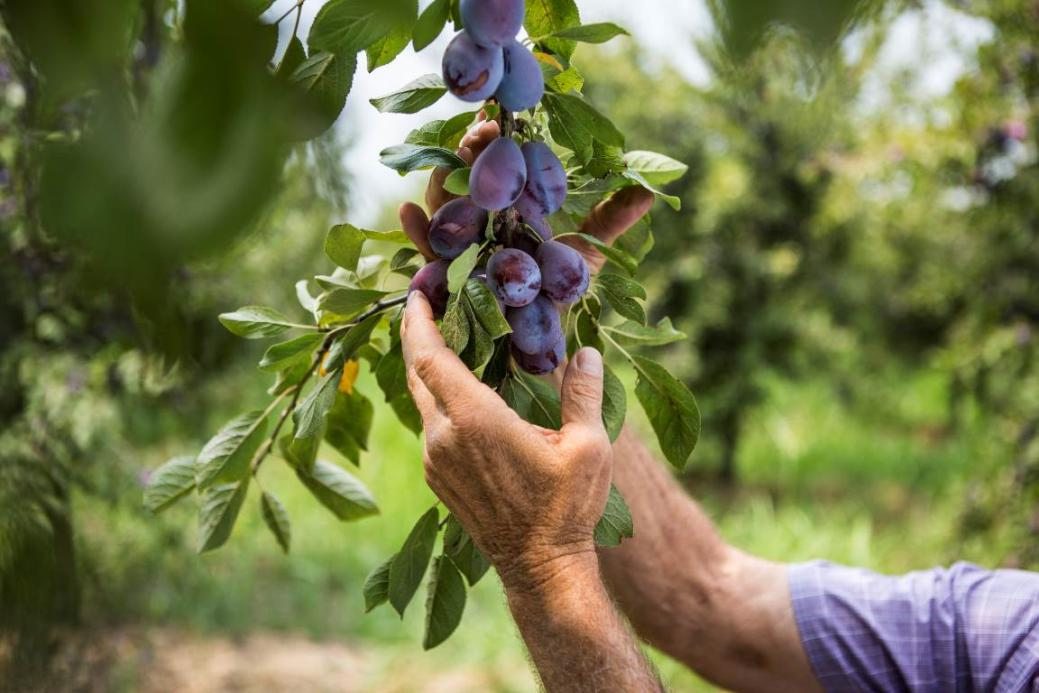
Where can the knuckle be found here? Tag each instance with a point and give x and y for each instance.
(585, 389)
(425, 365)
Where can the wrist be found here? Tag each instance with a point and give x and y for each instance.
(537, 574)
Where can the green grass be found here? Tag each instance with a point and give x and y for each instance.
(872, 489)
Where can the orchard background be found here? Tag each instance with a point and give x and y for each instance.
(856, 264)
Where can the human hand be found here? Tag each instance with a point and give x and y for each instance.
(529, 497)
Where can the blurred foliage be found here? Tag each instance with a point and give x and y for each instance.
(822, 237)
(137, 154)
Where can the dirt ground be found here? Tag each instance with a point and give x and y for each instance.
(161, 660)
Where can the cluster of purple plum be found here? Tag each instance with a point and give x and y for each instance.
(529, 272)
(486, 60)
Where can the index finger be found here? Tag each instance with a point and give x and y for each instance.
(610, 220)
(426, 355)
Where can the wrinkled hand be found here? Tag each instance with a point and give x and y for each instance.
(607, 222)
(529, 497)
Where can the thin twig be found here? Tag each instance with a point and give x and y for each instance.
(297, 390)
(297, 6)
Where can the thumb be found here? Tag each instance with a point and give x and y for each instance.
(582, 390)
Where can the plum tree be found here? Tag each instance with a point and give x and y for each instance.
(546, 179)
(522, 84)
(431, 280)
(471, 72)
(493, 22)
(455, 227)
(565, 274)
(514, 276)
(498, 176)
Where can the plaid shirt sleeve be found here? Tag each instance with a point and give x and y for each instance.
(961, 629)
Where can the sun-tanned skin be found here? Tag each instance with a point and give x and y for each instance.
(530, 498)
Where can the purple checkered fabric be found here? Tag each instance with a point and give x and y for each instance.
(961, 629)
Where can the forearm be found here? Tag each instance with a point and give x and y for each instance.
(573, 633)
(725, 614)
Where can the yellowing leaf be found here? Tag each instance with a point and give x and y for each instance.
(350, 373)
(549, 60)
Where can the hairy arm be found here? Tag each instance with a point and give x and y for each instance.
(573, 632)
(723, 613)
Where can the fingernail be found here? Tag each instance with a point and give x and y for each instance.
(589, 361)
(412, 297)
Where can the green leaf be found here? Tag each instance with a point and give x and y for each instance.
(576, 125)
(401, 262)
(614, 404)
(590, 33)
(383, 51)
(586, 316)
(414, 97)
(431, 23)
(457, 182)
(444, 604)
(300, 453)
(621, 293)
(674, 202)
(461, 267)
(622, 286)
(613, 254)
(410, 564)
(284, 355)
(349, 424)
(480, 350)
(377, 586)
(326, 77)
(294, 56)
(460, 548)
(349, 26)
(486, 309)
(534, 400)
(218, 513)
(306, 301)
(427, 135)
(638, 241)
(546, 17)
(569, 80)
(343, 245)
(455, 325)
(339, 491)
(227, 455)
(346, 303)
(671, 409)
(391, 373)
(656, 169)
(288, 378)
(616, 524)
(256, 322)
(309, 416)
(454, 129)
(277, 519)
(405, 158)
(356, 337)
(407, 413)
(633, 333)
(169, 483)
